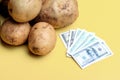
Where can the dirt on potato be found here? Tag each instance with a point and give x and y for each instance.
(14, 33)
(24, 10)
(59, 13)
(42, 38)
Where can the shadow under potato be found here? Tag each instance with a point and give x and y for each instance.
(33, 55)
(4, 8)
(7, 46)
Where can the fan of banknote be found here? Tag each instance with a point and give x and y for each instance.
(84, 47)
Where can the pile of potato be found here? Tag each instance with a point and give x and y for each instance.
(35, 21)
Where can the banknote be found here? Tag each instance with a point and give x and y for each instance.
(65, 38)
(91, 40)
(106, 47)
(92, 54)
(78, 31)
(75, 44)
(71, 37)
(79, 42)
(85, 47)
(73, 34)
(88, 38)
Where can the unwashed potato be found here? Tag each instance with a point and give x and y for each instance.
(43, 1)
(0, 32)
(59, 13)
(42, 38)
(14, 33)
(24, 10)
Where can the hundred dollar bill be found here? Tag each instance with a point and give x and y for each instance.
(71, 37)
(75, 44)
(75, 36)
(79, 42)
(89, 41)
(92, 54)
(78, 31)
(65, 38)
(88, 38)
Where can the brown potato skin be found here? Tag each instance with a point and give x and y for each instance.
(14, 33)
(0, 31)
(42, 38)
(59, 13)
(43, 1)
(24, 10)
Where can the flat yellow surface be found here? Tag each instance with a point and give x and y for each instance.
(99, 16)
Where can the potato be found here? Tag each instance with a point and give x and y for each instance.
(2, 20)
(0, 32)
(43, 1)
(14, 33)
(42, 38)
(24, 10)
(59, 13)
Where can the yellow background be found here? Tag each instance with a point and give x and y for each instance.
(99, 16)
